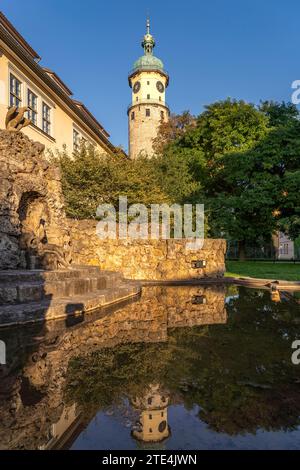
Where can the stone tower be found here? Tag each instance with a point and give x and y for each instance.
(148, 81)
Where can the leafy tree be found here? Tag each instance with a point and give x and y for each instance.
(172, 129)
(226, 127)
(279, 114)
(260, 189)
(90, 179)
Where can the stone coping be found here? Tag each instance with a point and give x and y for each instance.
(242, 281)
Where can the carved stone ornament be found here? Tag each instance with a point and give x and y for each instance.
(15, 119)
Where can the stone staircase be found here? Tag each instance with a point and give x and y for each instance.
(32, 296)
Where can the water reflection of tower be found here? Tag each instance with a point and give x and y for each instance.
(153, 408)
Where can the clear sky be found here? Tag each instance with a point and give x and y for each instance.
(212, 49)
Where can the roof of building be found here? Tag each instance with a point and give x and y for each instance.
(58, 80)
(10, 36)
(17, 36)
(86, 111)
(148, 61)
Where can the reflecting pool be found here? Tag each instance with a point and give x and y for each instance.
(178, 368)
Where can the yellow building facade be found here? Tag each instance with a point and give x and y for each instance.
(57, 120)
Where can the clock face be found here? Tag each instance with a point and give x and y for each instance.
(136, 87)
(160, 87)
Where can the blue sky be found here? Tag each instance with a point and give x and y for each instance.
(212, 49)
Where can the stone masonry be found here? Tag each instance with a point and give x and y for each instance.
(145, 259)
(30, 193)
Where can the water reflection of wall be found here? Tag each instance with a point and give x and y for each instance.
(32, 399)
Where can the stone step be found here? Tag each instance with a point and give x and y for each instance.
(31, 286)
(22, 292)
(64, 307)
(40, 275)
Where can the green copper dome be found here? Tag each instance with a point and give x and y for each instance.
(148, 61)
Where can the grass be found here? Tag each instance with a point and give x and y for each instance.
(263, 270)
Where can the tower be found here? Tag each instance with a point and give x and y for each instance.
(148, 81)
(153, 407)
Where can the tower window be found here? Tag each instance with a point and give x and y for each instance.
(148, 83)
(148, 97)
(150, 416)
(147, 112)
(137, 98)
(149, 401)
(162, 115)
(159, 98)
(132, 115)
(150, 430)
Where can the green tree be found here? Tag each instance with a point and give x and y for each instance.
(260, 189)
(90, 179)
(279, 114)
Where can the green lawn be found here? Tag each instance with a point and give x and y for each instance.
(263, 270)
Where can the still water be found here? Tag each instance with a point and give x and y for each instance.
(178, 368)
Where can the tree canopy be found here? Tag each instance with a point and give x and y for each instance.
(242, 161)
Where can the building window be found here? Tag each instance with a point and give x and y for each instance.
(147, 112)
(46, 119)
(132, 115)
(162, 115)
(150, 430)
(148, 97)
(137, 98)
(159, 98)
(32, 100)
(149, 401)
(15, 98)
(150, 416)
(148, 83)
(285, 248)
(162, 414)
(76, 138)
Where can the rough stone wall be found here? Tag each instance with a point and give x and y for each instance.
(30, 189)
(143, 129)
(145, 259)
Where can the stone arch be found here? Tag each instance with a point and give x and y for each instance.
(33, 213)
(34, 217)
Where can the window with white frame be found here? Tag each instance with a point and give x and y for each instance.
(80, 140)
(32, 103)
(46, 118)
(15, 89)
(76, 140)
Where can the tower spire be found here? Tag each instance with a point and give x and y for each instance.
(148, 41)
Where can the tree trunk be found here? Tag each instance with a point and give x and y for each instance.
(242, 252)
